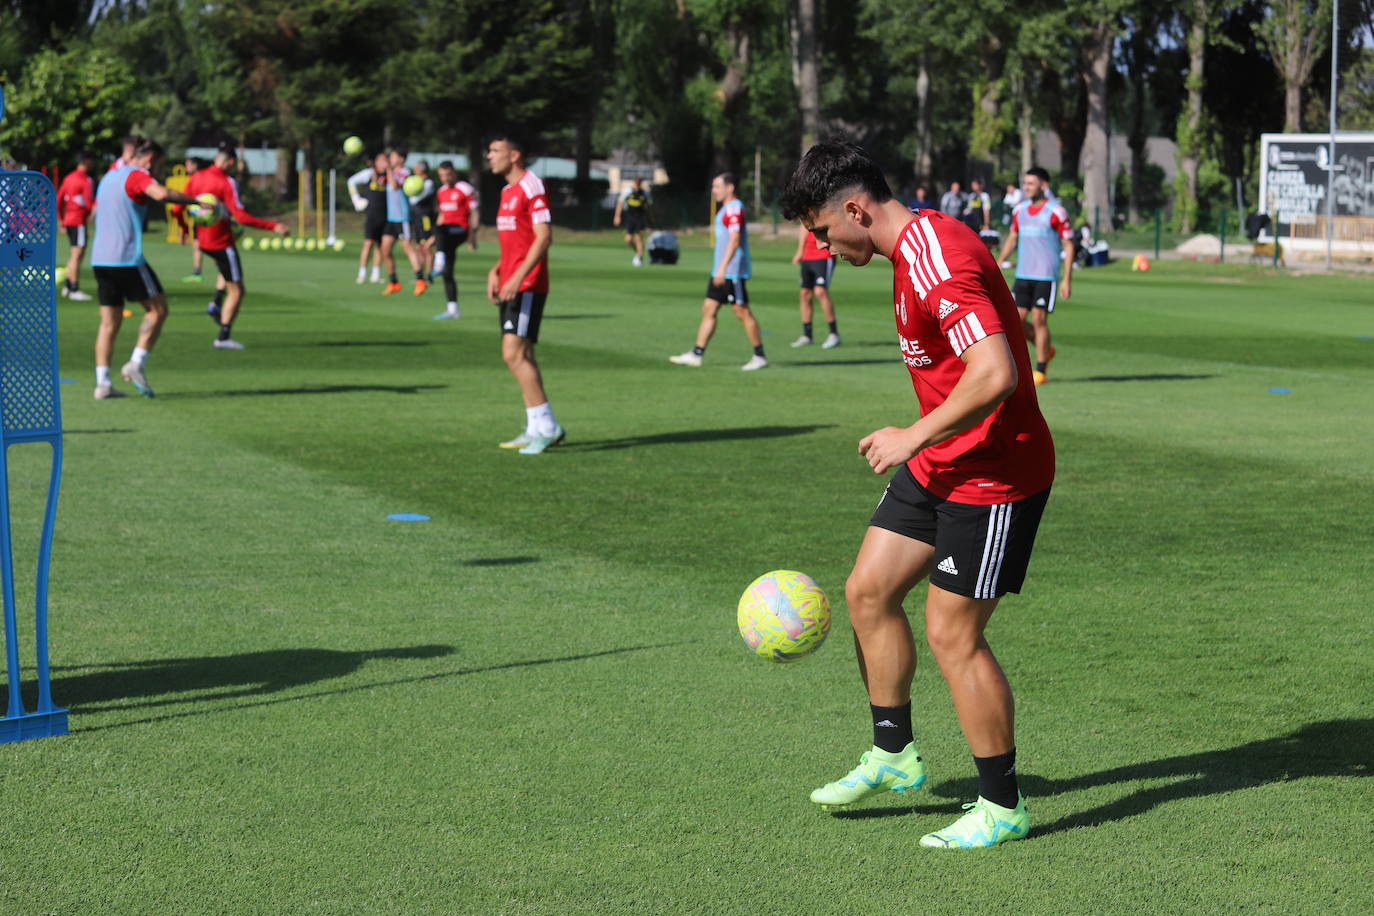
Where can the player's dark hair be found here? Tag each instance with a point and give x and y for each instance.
(446, 164)
(728, 178)
(399, 150)
(85, 156)
(227, 148)
(133, 140)
(1040, 173)
(827, 170)
(513, 141)
(148, 146)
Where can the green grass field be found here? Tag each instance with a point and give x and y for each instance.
(282, 702)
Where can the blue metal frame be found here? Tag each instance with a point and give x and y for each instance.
(30, 411)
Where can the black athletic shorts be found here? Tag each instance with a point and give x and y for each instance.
(117, 285)
(77, 235)
(399, 230)
(227, 259)
(817, 272)
(632, 221)
(374, 226)
(980, 551)
(421, 227)
(450, 235)
(1035, 294)
(727, 292)
(521, 316)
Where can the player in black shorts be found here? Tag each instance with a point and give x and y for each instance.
(632, 214)
(423, 213)
(368, 191)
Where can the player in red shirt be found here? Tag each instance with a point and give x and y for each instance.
(817, 269)
(974, 473)
(457, 222)
(218, 243)
(519, 284)
(75, 201)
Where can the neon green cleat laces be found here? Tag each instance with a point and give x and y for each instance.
(878, 771)
(985, 824)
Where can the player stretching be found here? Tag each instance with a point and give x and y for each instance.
(75, 200)
(121, 271)
(367, 189)
(458, 221)
(727, 278)
(1037, 225)
(817, 267)
(973, 476)
(519, 284)
(398, 224)
(632, 213)
(217, 240)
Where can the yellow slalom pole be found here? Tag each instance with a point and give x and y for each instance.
(319, 206)
(300, 204)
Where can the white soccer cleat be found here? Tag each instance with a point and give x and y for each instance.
(362, 276)
(77, 295)
(230, 344)
(802, 341)
(638, 261)
(686, 359)
(376, 277)
(133, 373)
(757, 362)
(831, 342)
(104, 392)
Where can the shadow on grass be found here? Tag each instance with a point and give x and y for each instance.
(320, 389)
(500, 561)
(255, 674)
(576, 317)
(695, 435)
(842, 362)
(1340, 747)
(373, 343)
(95, 432)
(1158, 377)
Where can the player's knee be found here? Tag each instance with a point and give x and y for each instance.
(949, 641)
(741, 312)
(867, 598)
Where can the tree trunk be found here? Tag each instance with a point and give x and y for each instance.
(1025, 130)
(1292, 108)
(1136, 138)
(1189, 139)
(286, 165)
(807, 74)
(923, 163)
(1096, 164)
(730, 93)
(987, 121)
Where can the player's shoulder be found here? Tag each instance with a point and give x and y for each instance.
(1058, 211)
(531, 185)
(466, 188)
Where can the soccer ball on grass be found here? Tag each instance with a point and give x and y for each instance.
(783, 616)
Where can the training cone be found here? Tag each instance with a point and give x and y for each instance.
(1140, 263)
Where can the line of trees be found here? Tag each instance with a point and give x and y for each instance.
(939, 89)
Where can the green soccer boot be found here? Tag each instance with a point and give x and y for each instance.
(985, 824)
(878, 771)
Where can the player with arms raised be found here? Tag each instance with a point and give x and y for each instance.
(519, 284)
(973, 476)
(1038, 224)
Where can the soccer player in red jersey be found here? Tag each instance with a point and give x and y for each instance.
(817, 269)
(973, 476)
(218, 242)
(75, 201)
(457, 223)
(519, 284)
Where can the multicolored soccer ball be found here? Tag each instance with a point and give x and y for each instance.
(207, 210)
(413, 185)
(783, 616)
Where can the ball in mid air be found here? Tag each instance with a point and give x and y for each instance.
(207, 210)
(413, 185)
(353, 146)
(783, 616)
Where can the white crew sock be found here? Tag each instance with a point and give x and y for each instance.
(139, 357)
(102, 375)
(376, 275)
(362, 272)
(453, 308)
(540, 421)
(439, 262)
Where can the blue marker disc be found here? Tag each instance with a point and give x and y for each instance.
(67, 381)
(407, 517)
(1364, 337)
(1280, 390)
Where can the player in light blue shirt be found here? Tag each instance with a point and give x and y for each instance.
(730, 269)
(1043, 238)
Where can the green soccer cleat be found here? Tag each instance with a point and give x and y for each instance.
(985, 824)
(538, 443)
(878, 771)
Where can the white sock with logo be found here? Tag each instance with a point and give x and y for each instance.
(102, 375)
(540, 421)
(139, 357)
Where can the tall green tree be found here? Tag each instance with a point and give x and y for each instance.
(1294, 32)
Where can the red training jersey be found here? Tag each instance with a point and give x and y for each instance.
(75, 198)
(948, 294)
(457, 204)
(813, 252)
(522, 205)
(219, 236)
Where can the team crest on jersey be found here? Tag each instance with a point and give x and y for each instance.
(945, 308)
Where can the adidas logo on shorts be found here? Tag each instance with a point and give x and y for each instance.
(947, 566)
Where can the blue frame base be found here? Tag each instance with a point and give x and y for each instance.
(33, 725)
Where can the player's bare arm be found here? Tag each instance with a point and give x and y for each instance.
(1008, 247)
(543, 238)
(989, 378)
(801, 246)
(1070, 251)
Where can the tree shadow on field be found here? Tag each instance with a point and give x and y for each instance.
(500, 561)
(842, 362)
(695, 435)
(313, 389)
(1157, 377)
(373, 343)
(253, 676)
(1340, 747)
(576, 317)
(92, 688)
